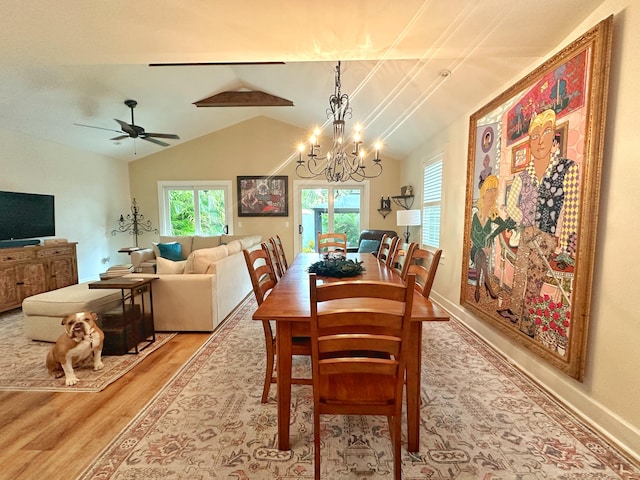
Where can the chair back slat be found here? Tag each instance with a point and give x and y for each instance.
(332, 241)
(261, 271)
(279, 248)
(275, 260)
(424, 265)
(401, 256)
(387, 246)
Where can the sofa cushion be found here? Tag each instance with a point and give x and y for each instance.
(234, 247)
(186, 242)
(246, 240)
(202, 260)
(205, 242)
(73, 298)
(164, 265)
(171, 251)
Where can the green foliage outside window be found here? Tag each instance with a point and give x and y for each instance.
(183, 213)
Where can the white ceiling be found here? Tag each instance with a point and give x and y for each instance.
(76, 61)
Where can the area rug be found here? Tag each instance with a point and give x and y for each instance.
(22, 363)
(480, 419)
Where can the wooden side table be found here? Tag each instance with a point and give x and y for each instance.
(125, 330)
(128, 250)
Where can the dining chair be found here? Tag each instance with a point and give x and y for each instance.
(401, 256)
(277, 243)
(332, 241)
(358, 356)
(387, 246)
(263, 280)
(424, 264)
(275, 260)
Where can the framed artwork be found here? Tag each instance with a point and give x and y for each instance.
(530, 220)
(519, 157)
(260, 196)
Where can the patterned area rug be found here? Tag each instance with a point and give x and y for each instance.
(22, 363)
(480, 419)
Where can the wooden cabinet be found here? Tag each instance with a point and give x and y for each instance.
(27, 271)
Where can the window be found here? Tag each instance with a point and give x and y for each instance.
(187, 208)
(432, 203)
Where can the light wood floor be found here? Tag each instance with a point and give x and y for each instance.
(54, 436)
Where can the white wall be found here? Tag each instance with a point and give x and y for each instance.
(90, 193)
(608, 396)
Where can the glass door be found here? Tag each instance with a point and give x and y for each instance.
(324, 207)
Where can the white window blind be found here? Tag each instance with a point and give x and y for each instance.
(431, 203)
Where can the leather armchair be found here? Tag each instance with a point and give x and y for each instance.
(372, 235)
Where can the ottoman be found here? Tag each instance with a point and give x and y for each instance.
(43, 313)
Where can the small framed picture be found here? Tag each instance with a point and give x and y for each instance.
(260, 196)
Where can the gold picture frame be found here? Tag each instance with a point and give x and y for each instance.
(531, 212)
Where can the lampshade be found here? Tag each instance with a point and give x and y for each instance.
(408, 218)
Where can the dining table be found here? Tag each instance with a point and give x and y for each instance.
(288, 305)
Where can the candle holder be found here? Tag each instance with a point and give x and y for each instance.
(134, 223)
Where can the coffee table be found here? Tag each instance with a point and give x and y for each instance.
(125, 329)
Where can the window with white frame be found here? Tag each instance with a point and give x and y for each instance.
(432, 202)
(189, 208)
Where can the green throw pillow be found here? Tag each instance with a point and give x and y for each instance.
(171, 251)
(368, 246)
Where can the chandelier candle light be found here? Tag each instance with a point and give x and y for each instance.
(337, 165)
(408, 218)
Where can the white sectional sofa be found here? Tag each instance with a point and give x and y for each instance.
(197, 293)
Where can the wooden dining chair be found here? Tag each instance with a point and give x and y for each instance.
(387, 247)
(277, 243)
(263, 280)
(424, 264)
(332, 241)
(401, 256)
(275, 259)
(358, 355)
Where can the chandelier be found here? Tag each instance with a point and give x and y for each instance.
(338, 165)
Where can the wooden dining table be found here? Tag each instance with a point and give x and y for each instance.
(288, 305)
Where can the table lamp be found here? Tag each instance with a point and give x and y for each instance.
(407, 218)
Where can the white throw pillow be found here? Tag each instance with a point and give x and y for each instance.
(169, 266)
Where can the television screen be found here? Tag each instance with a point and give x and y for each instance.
(26, 215)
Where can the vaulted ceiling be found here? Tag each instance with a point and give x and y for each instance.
(410, 67)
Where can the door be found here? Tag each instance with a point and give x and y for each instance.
(324, 207)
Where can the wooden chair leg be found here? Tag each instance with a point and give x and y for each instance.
(316, 446)
(268, 374)
(397, 448)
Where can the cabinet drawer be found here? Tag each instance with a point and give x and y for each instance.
(56, 251)
(17, 256)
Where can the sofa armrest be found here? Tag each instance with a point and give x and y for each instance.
(139, 256)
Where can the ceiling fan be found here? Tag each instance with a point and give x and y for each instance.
(131, 130)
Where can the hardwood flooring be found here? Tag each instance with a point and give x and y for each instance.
(46, 435)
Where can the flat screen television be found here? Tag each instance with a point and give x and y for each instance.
(26, 215)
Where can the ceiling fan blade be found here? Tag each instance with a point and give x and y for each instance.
(120, 137)
(99, 128)
(162, 135)
(153, 140)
